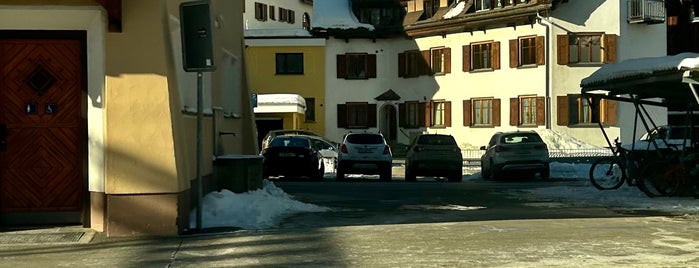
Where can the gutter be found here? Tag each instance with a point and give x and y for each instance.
(549, 65)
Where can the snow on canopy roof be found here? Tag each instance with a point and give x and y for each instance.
(640, 68)
(336, 14)
(277, 33)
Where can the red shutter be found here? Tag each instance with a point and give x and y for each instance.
(447, 113)
(447, 60)
(562, 110)
(496, 55)
(514, 53)
(562, 49)
(341, 65)
(342, 116)
(371, 115)
(466, 61)
(540, 111)
(371, 66)
(540, 50)
(467, 112)
(496, 112)
(514, 111)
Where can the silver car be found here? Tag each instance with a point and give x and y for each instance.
(515, 151)
(364, 153)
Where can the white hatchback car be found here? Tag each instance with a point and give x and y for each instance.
(364, 153)
(515, 151)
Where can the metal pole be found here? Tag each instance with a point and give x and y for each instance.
(200, 204)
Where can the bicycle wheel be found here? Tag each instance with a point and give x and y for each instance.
(607, 173)
(666, 180)
(646, 180)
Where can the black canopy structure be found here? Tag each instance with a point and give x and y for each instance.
(665, 81)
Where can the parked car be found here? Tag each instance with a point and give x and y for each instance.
(273, 133)
(520, 151)
(434, 155)
(661, 137)
(364, 153)
(292, 155)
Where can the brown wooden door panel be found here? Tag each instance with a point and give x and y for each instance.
(40, 103)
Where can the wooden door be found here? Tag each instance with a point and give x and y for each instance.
(41, 92)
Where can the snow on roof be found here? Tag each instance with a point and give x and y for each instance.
(280, 103)
(456, 10)
(640, 67)
(277, 33)
(336, 14)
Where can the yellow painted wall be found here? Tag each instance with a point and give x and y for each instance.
(150, 145)
(263, 80)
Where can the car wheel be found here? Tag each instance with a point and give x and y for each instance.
(494, 172)
(320, 172)
(545, 173)
(456, 177)
(409, 175)
(485, 173)
(385, 173)
(340, 175)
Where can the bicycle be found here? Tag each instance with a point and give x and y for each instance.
(671, 174)
(610, 173)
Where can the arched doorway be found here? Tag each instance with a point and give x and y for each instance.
(388, 123)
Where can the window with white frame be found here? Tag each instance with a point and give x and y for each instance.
(482, 112)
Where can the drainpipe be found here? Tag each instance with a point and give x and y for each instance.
(549, 64)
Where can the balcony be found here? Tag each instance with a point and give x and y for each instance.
(646, 11)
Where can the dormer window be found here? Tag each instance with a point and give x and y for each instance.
(483, 5)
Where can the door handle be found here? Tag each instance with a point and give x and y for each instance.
(3, 137)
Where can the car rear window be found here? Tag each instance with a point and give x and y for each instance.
(289, 142)
(520, 138)
(365, 139)
(436, 140)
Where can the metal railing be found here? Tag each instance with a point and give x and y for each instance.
(648, 11)
(472, 157)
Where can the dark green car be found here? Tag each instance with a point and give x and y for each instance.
(434, 155)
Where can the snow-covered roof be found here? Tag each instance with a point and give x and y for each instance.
(280, 103)
(640, 68)
(336, 14)
(458, 9)
(277, 33)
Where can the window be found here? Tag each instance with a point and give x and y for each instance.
(527, 51)
(289, 63)
(415, 63)
(586, 48)
(527, 111)
(291, 17)
(440, 60)
(283, 14)
(481, 56)
(430, 7)
(356, 66)
(356, 115)
(412, 114)
(574, 109)
(483, 5)
(310, 109)
(260, 11)
(271, 13)
(306, 23)
(440, 112)
(380, 16)
(482, 112)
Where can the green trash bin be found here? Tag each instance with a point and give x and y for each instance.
(238, 173)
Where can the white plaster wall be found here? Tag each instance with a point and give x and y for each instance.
(634, 41)
(90, 19)
(250, 22)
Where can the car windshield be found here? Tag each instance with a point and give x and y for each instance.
(289, 142)
(365, 139)
(520, 138)
(436, 140)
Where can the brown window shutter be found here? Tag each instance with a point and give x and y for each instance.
(447, 113)
(610, 117)
(562, 110)
(371, 66)
(422, 114)
(428, 114)
(609, 45)
(514, 53)
(425, 66)
(447, 60)
(371, 115)
(540, 111)
(264, 15)
(466, 61)
(573, 109)
(341, 65)
(496, 112)
(562, 48)
(467, 112)
(514, 111)
(342, 116)
(540, 50)
(401, 64)
(496, 55)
